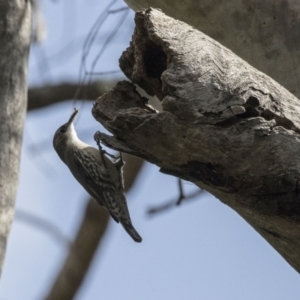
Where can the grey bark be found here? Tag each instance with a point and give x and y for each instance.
(15, 28)
(264, 33)
(225, 126)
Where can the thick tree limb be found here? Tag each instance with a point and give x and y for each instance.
(225, 126)
(88, 239)
(15, 28)
(264, 33)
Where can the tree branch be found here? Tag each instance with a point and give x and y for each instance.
(264, 33)
(225, 126)
(40, 97)
(42, 224)
(166, 206)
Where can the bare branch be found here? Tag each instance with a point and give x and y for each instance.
(264, 33)
(173, 203)
(40, 97)
(225, 126)
(41, 224)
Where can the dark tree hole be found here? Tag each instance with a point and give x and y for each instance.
(155, 60)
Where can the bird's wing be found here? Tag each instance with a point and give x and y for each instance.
(106, 181)
(93, 177)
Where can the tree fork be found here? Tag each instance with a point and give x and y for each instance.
(225, 126)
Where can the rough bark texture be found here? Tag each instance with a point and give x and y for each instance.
(225, 126)
(264, 33)
(15, 27)
(88, 240)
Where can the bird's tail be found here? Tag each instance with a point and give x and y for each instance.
(131, 231)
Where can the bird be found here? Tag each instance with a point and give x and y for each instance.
(97, 174)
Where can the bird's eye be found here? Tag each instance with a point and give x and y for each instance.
(62, 129)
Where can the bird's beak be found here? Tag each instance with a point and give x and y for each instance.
(72, 117)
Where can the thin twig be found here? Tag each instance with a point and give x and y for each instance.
(181, 194)
(42, 224)
(172, 203)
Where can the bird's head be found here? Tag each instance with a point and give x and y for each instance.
(63, 135)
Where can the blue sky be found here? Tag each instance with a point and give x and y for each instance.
(200, 250)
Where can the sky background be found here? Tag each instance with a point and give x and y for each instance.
(200, 250)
